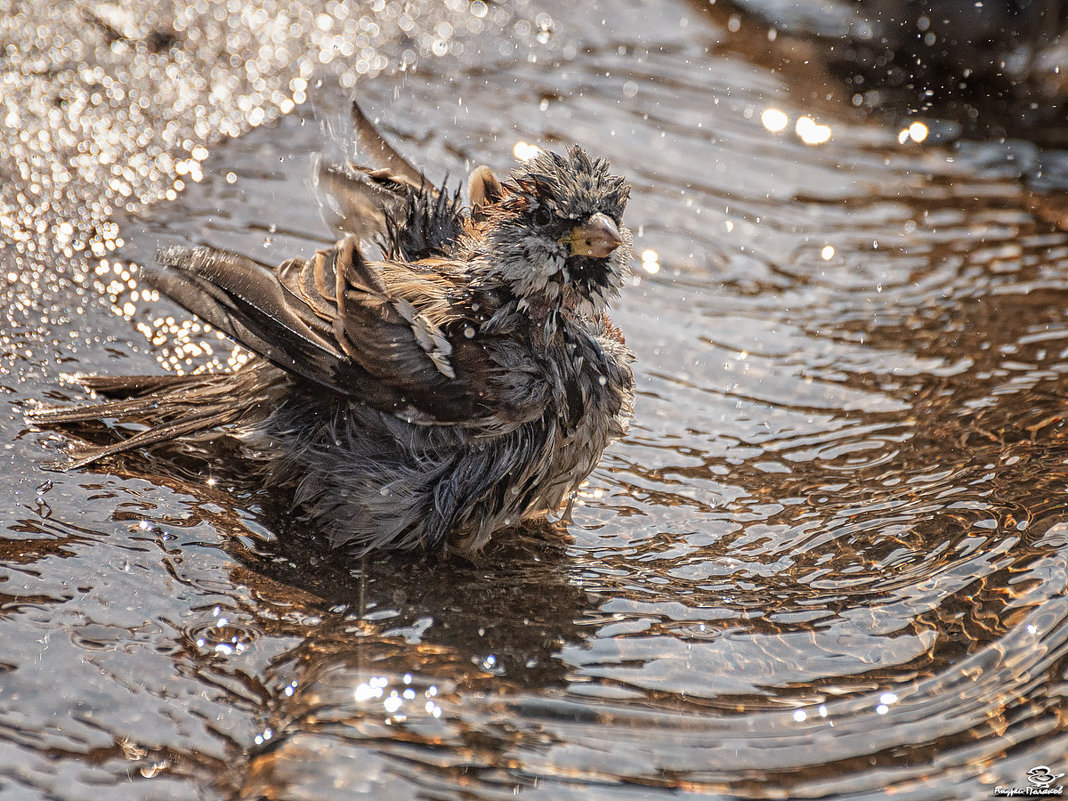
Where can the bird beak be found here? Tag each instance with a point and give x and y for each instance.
(596, 237)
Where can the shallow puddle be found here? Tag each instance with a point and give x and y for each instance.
(830, 559)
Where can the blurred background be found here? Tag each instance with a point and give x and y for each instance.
(830, 559)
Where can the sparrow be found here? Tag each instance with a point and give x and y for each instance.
(462, 379)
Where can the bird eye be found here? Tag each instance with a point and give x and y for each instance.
(542, 216)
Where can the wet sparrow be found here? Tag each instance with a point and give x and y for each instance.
(467, 379)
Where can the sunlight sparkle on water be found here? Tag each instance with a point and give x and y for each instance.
(374, 687)
(812, 132)
(774, 120)
(649, 261)
(525, 151)
(885, 700)
(917, 132)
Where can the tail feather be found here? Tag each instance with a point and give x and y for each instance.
(125, 409)
(152, 436)
(126, 406)
(124, 386)
(171, 407)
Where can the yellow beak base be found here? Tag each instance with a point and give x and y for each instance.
(597, 237)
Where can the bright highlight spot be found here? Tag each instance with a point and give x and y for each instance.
(827, 253)
(372, 688)
(649, 262)
(774, 120)
(800, 715)
(812, 132)
(525, 151)
(917, 132)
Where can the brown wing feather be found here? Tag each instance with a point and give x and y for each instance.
(394, 205)
(399, 337)
(383, 333)
(381, 152)
(355, 202)
(362, 198)
(392, 320)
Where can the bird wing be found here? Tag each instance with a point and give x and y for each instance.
(383, 333)
(390, 201)
(394, 204)
(382, 152)
(358, 200)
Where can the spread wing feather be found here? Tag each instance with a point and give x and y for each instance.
(394, 204)
(383, 333)
(374, 202)
(245, 299)
(381, 152)
(356, 201)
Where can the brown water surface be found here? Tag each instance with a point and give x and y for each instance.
(830, 559)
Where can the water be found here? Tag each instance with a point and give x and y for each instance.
(829, 560)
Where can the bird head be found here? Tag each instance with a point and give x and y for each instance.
(556, 233)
